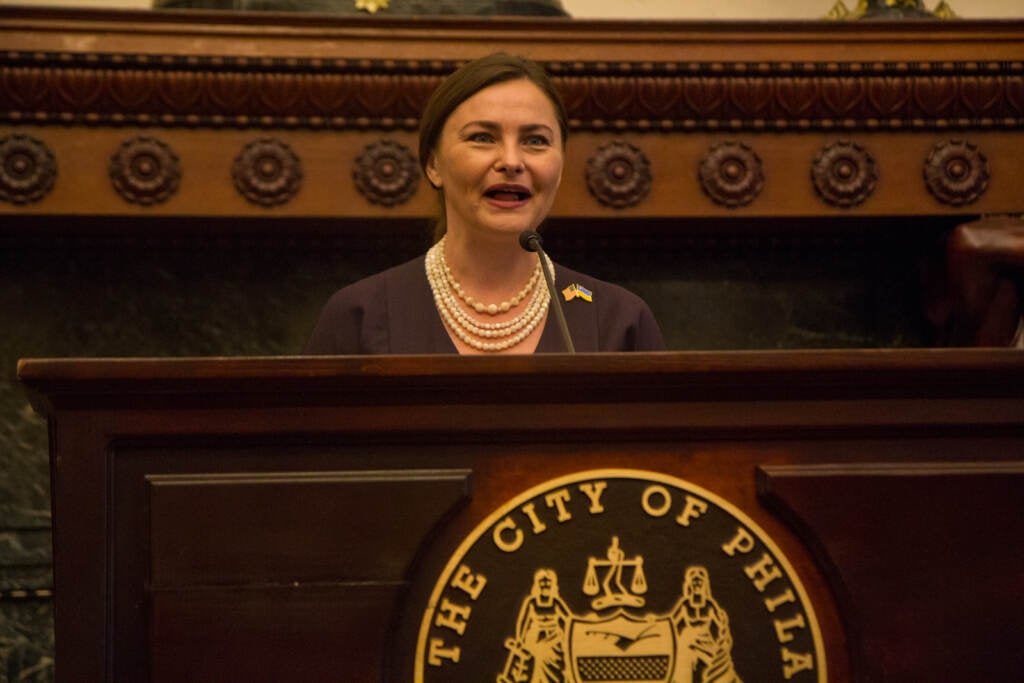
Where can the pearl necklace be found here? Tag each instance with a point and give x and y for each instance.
(478, 306)
(483, 336)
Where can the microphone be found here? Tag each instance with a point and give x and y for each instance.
(530, 241)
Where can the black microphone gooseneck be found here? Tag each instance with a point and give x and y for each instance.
(530, 241)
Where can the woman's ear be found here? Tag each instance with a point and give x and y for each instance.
(433, 176)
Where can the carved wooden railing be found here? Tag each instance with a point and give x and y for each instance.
(163, 113)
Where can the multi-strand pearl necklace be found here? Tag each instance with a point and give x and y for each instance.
(484, 336)
(480, 307)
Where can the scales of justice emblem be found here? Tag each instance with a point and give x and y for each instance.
(616, 641)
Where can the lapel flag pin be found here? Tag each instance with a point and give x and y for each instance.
(577, 291)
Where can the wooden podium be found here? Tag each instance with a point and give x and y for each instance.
(269, 519)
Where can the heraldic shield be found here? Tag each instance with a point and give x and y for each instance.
(690, 644)
(622, 648)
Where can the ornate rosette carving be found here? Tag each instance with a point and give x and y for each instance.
(956, 173)
(619, 175)
(28, 169)
(844, 174)
(731, 174)
(386, 173)
(145, 171)
(267, 172)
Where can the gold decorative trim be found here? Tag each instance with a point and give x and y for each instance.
(371, 6)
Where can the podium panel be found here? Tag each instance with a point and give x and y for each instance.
(791, 516)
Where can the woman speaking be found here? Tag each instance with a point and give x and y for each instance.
(492, 143)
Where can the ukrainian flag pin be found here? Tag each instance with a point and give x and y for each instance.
(577, 291)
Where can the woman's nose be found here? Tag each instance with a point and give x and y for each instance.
(510, 159)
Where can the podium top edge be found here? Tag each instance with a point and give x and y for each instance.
(551, 380)
(32, 370)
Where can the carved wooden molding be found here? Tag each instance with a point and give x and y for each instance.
(956, 172)
(145, 171)
(731, 174)
(619, 175)
(267, 172)
(225, 92)
(386, 173)
(844, 174)
(28, 169)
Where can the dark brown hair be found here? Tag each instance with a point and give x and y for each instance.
(468, 80)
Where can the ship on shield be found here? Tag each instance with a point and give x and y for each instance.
(689, 644)
(622, 648)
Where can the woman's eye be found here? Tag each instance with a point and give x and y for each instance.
(537, 141)
(481, 137)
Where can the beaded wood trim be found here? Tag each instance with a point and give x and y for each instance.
(216, 92)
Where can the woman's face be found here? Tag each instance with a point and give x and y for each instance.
(499, 160)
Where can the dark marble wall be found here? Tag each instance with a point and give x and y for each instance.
(187, 295)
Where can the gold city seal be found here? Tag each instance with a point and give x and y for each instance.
(619, 575)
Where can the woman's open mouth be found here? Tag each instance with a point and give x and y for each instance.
(507, 194)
